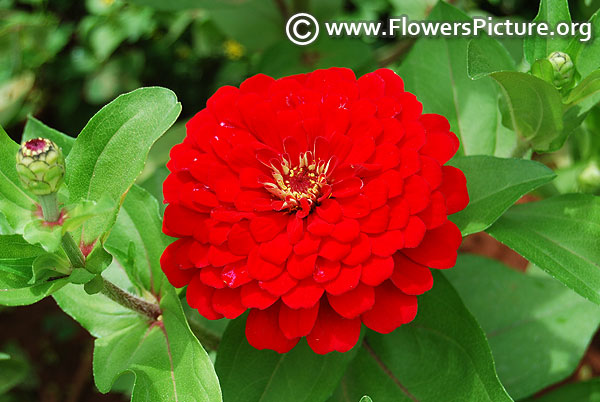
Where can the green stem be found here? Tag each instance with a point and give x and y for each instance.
(73, 251)
(49, 205)
(130, 301)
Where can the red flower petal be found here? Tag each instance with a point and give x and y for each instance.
(333, 250)
(308, 245)
(301, 266)
(377, 221)
(236, 274)
(325, 270)
(277, 250)
(265, 228)
(354, 302)
(454, 188)
(330, 211)
(414, 232)
(260, 269)
(347, 279)
(295, 323)
(410, 277)
(199, 296)
(346, 231)
(355, 207)
(333, 332)
(263, 332)
(376, 270)
(253, 296)
(438, 248)
(360, 251)
(387, 243)
(211, 276)
(392, 308)
(305, 295)
(280, 285)
(227, 301)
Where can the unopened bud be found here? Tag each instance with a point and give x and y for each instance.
(564, 69)
(41, 166)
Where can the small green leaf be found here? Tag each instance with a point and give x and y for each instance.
(406, 365)
(537, 328)
(38, 232)
(494, 184)
(586, 94)
(265, 375)
(36, 129)
(560, 235)
(543, 69)
(435, 70)
(535, 108)
(110, 152)
(585, 391)
(365, 399)
(538, 47)
(94, 286)
(98, 260)
(15, 204)
(486, 55)
(48, 266)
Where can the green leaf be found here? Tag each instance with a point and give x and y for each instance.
(38, 232)
(167, 360)
(15, 204)
(17, 255)
(110, 152)
(248, 374)
(442, 352)
(137, 240)
(560, 235)
(535, 109)
(48, 266)
(539, 47)
(494, 184)
(537, 328)
(486, 55)
(35, 129)
(585, 391)
(16, 291)
(543, 69)
(586, 55)
(365, 399)
(585, 95)
(436, 71)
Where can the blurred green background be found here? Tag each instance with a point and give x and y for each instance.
(62, 60)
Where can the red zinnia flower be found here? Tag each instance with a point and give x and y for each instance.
(317, 201)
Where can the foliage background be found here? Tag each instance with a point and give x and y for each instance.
(61, 60)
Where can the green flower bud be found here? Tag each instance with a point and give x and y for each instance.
(41, 166)
(564, 69)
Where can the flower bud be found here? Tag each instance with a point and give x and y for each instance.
(41, 166)
(564, 69)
